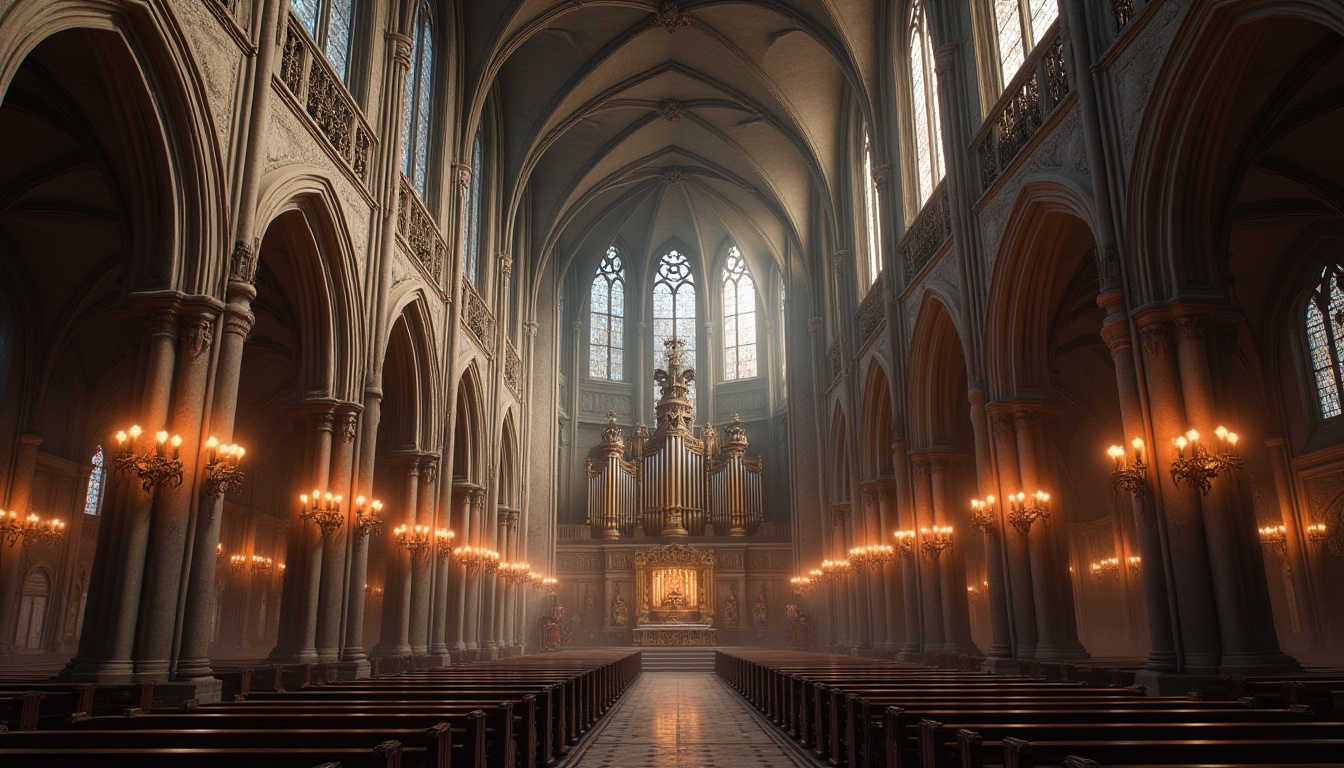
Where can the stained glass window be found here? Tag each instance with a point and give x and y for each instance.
(674, 311)
(419, 89)
(874, 224)
(928, 133)
(1325, 338)
(471, 251)
(1019, 25)
(739, 318)
(329, 23)
(93, 494)
(783, 347)
(606, 320)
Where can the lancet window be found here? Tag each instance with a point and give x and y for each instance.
(93, 493)
(419, 89)
(674, 310)
(739, 318)
(1019, 25)
(606, 319)
(472, 234)
(870, 210)
(1325, 338)
(928, 133)
(329, 23)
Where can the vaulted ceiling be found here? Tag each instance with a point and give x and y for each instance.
(647, 122)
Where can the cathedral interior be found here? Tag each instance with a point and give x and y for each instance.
(408, 335)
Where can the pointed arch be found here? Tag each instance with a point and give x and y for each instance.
(469, 439)
(879, 418)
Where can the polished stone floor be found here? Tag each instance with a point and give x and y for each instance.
(685, 720)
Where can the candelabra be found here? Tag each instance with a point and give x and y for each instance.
(831, 570)
(477, 558)
(1024, 510)
(1109, 566)
(974, 595)
(871, 557)
(413, 539)
(366, 517)
(802, 584)
(237, 563)
(262, 565)
(30, 528)
(1316, 533)
(443, 543)
(221, 468)
(323, 509)
(1275, 536)
(549, 584)
(1201, 466)
(982, 515)
(1135, 565)
(1127, 475)
(935, 540)
(157, 466)
(219, 554)
(905, 543)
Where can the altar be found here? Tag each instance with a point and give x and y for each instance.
(675, 634)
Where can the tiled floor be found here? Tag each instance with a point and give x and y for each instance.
(684, 720)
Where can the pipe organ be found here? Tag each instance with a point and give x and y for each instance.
(678, 481)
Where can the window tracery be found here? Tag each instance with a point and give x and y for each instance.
(419, 89)
(329, 23)
(739, 318)
(471, 252)
(1019, 25)
(928, 133)
(1325, 338)
(674, 310)
(606, 319)
(93, 493)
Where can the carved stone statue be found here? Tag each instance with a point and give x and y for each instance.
(760, 610)
(730, 607)
(620, 614)
(589, 604)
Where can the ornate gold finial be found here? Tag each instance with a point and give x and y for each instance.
(612, 434)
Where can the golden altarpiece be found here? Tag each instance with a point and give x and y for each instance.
(674, 595)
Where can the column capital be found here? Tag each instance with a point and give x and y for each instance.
(1156, 333)
(243, 263)
(196, 330)
(530, 327)
(881, 175)
(429, 469)
(462, 175)
(505, 264)
(348, 426)
(1116, 335)
(402, 46)
(839, 260)
(944, 58)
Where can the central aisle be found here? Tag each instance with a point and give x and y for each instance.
(679, 719)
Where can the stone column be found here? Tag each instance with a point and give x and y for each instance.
(331, 595)
(1187, 556)
(457, 606)
(303, 561)
(395, 637)
(951, 567)
(996, 590)
(909, 568)
(877, 597)
(11, 575)
(194, 653)
(1162, 653)
(438, 632)
(422, 564)
(890, 572)
(489, 585)
(1241, 594)
(472, 620)
(931, 589)
(1020, 598)
(354, 655)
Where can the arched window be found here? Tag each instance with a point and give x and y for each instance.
(472, 244)
(674, 311)
(783, 346)
(329, 23)
(93, 494)
(1018, 26)
(870, 210)
(606, 319)
(739, 318)
(419, 89)
(1325, 337)
(928, 133)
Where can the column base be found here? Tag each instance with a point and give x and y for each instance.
(1175, 683)
(1001, 666)
(103, 673)
(432, 661)
(1259, 664)
(354, 669)
(965, 649)
(305, 656)
(189, 693)
(1062, 653)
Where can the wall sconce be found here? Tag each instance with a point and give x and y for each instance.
(1127, 475)
(1316, 533)
(871, 557)
(237, 563)
(1109, 566)
(1201, 467)
(157, 466)
(30, 528)
(982, 515)
(323, 509)
(221, 468)
(802, 585)
(262, 565)
(1135, 565)
(477, 558)
(514, 572)
(1276, 537)
(443, 543)
(413, 539)
(935, 540)
(1024, 510)
(905, 543)
(366, 517)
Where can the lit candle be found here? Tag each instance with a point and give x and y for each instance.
(1180, 443)
(1116, 453)
(212, 449)
(1137, 443)
(134, 433)
(176, 443)
(121, 439)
